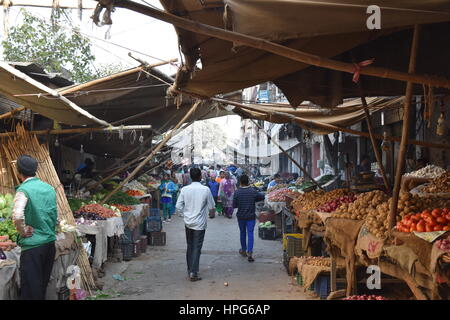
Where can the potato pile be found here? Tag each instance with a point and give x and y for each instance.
(409, 203)
(439, 185)
(313, 200)
(364, 204)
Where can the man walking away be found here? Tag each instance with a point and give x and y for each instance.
(195, 202)
(35, 217)
(244, 200)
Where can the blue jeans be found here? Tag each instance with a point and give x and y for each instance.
(247, 227)
(194, 239)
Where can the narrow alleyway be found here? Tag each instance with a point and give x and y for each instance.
(160, 273)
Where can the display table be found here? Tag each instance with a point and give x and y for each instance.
(277, 207)
(66, 255)
(104, 229)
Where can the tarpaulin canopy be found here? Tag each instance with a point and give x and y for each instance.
(334, 29)
(345, 115)
(22, 89)
(125, 94)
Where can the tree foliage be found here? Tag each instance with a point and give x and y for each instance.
(51, 46)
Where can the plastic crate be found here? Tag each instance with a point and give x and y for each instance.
(290, 235)
(153, 224)
(294, 247)
(322, 286)
(137, 248)
(269, 233)
(127, 251)
(144, 243)
(155, 212)
(131, 235)
(156, 238)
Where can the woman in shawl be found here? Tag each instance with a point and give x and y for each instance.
(226, 191)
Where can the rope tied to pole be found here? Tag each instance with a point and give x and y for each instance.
(358, 66)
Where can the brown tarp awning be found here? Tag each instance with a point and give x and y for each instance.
(325, 28)
(345, 115)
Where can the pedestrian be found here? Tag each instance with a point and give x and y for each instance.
(174, 193)
(35, 217)
(167, 188)
(221, 176)
(195, 202)
(227, 188)
(213, 185)
(244, 200)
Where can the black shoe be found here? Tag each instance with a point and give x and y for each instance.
(242, 253)
(194, 277)
(250, 258)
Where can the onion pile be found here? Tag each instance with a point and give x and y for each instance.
(279, 195)
(336, 203)
(277, 187)
(444, 244)
(428, 172)
(313, 200)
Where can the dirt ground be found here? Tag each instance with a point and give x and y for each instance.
(160, 273)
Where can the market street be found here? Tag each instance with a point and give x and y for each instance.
(160, 273)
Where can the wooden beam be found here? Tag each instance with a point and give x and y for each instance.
(79, 130)
(405, 130)
(11, 113)
(372, 139)
(325, 126)
(296, 55)
(287, 154)
(150, 156)
(64, 4)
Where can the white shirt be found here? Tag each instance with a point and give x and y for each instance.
(195, 201)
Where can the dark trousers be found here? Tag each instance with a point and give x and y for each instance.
(36, 265)
(194, 239)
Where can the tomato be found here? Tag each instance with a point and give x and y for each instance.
(445, 210)
(438, 227)
(431, 221)
(415, 218)
(447, 216)
(441, 220)
(420, 226)
(413, 227)
(446, 228)
(429, 228)
(436, 212)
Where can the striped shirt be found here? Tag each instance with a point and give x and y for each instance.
(245, 199)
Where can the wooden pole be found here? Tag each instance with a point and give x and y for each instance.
(372, 139)
(11, 113)
(113, 76)
(79, 130)
(160, 145)
(296, 55)
(287, 154)
(405, 130)
(325, 126)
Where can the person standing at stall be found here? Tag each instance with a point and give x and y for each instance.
(194, 203)
(244, 200)
(35, 217)
(213, 185)
(167, 188)
(227, 188)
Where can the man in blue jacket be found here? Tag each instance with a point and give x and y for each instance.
(244, 199)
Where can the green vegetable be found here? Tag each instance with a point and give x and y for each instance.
(75, 204)
(7, 227)
(119, 197)
(6, 205)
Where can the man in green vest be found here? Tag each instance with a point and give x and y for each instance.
(35, 217)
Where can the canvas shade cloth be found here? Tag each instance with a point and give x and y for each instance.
(135, 217)
(50, 104)
(9, 275)
(104, 229)
(344, 115)
(325, 28)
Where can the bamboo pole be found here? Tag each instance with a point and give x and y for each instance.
(114, 76)
(78, 130)
(287, 154)
(11, 113)
(329, 127)
(405, 129)
(296, 55)
(372, 139)
(160, 145)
